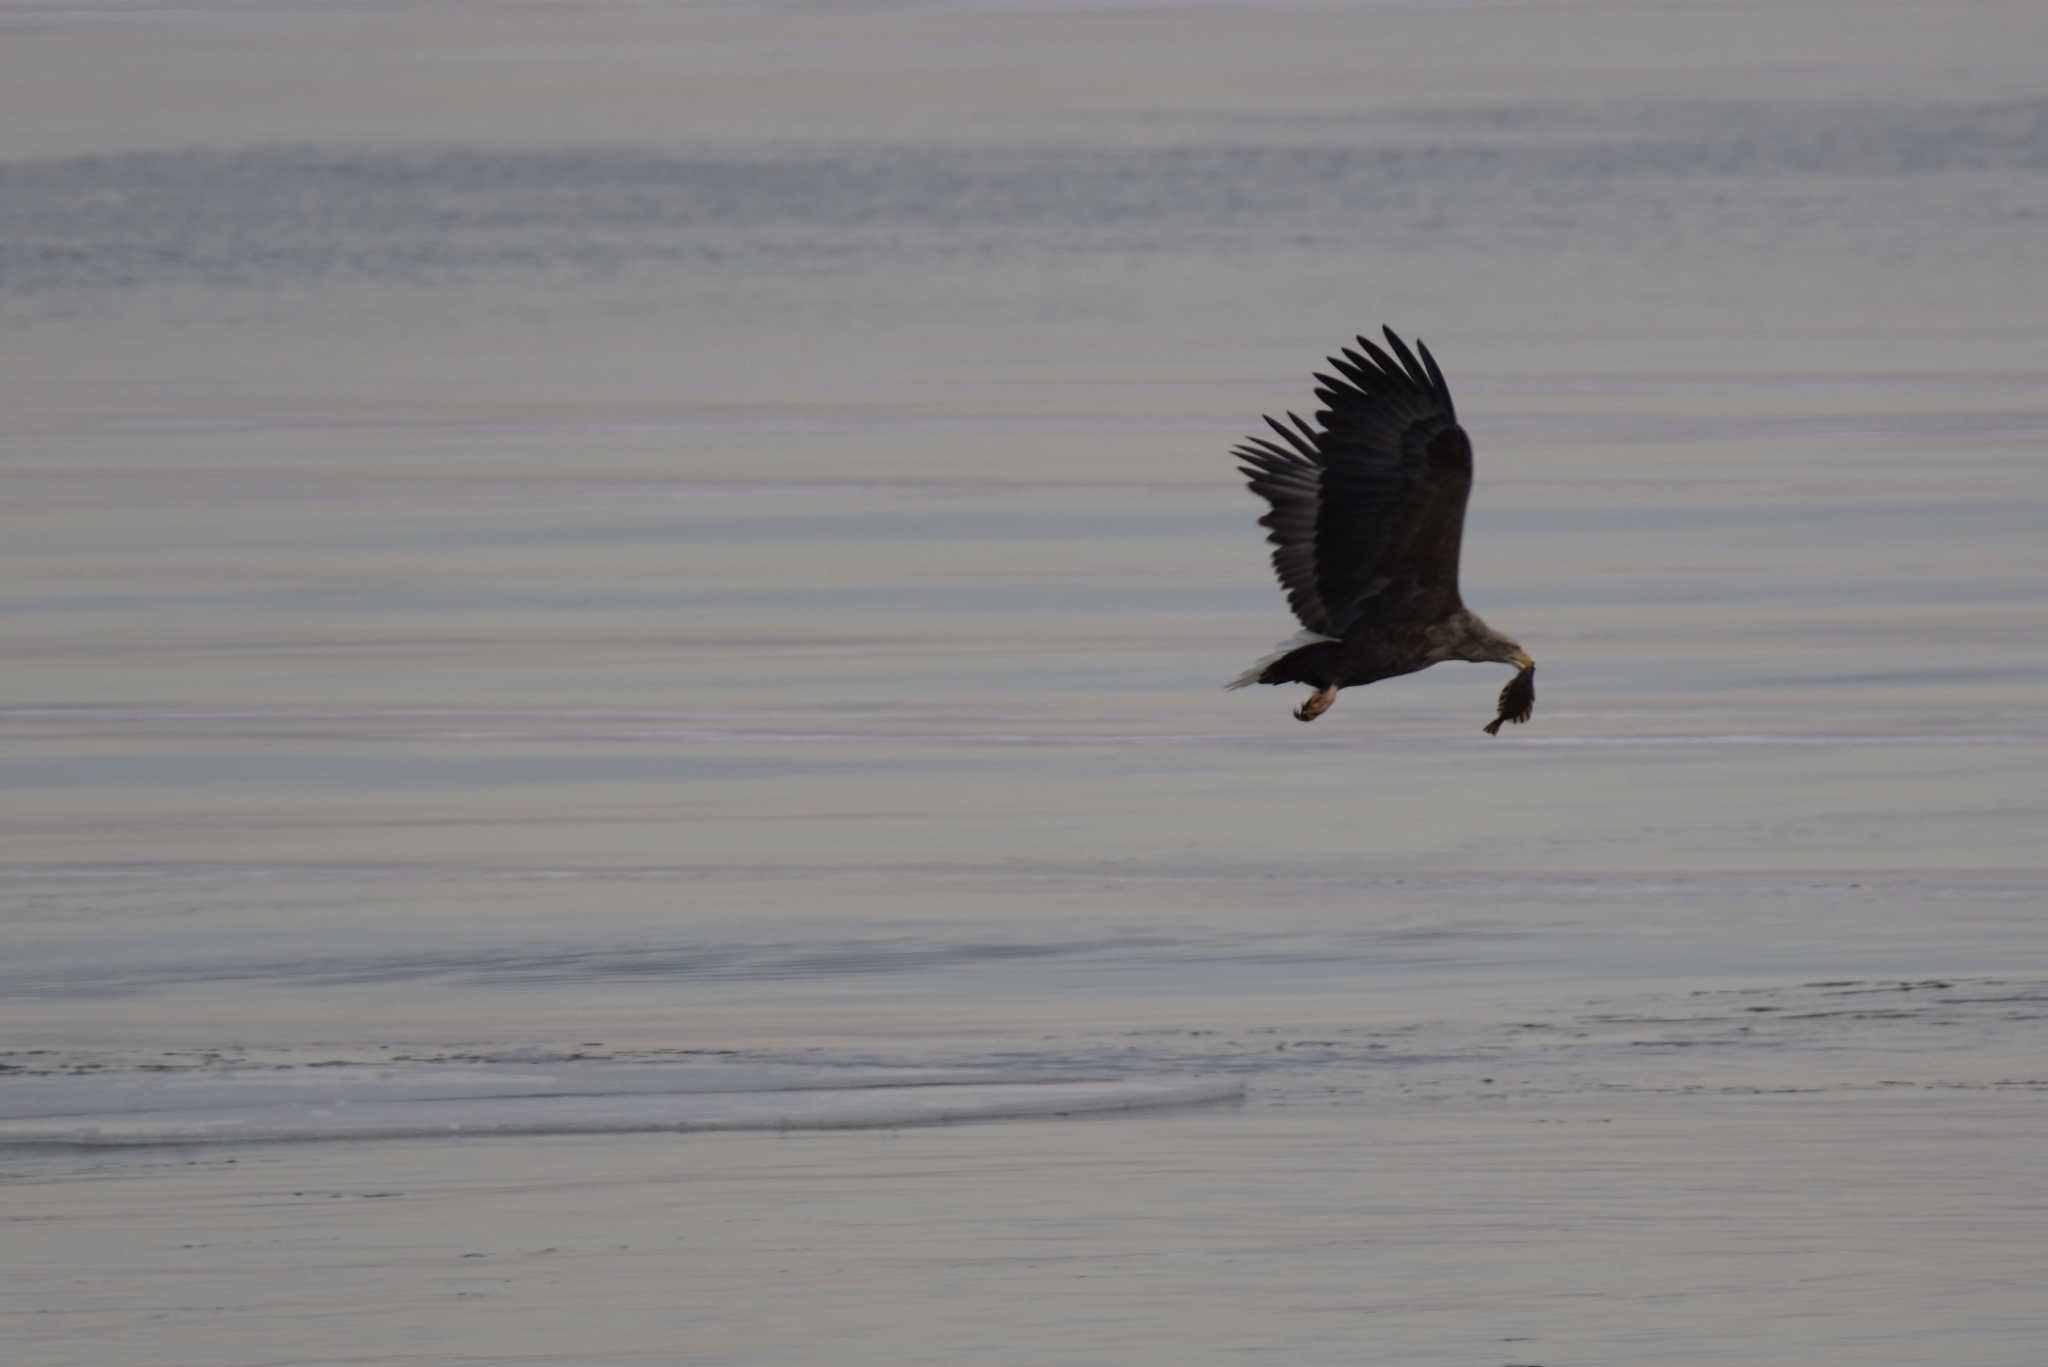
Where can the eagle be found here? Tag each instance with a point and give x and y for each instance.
(1368, 513)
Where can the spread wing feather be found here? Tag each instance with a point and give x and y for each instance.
(1373, 493)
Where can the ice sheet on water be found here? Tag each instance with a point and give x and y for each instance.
(354, 1102)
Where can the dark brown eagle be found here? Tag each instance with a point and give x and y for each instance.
(1368, 514)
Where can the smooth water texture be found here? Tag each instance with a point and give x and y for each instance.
(612, 621)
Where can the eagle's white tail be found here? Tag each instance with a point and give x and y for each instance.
(1286, 648)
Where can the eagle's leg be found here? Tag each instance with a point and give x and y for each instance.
(1317, 704)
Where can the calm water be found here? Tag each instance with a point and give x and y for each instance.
(704, 608)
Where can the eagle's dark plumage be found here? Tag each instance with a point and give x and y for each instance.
(1367, 520)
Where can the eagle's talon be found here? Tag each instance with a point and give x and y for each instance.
(1317, 704)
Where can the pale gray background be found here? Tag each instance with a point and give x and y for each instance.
(532, 530)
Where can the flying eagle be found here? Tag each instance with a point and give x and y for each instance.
(1368, 513)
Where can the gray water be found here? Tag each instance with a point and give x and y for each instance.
(685, 561)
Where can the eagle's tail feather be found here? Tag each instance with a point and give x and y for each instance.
(1282, 651)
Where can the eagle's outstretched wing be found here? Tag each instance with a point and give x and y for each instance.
(1374, 494)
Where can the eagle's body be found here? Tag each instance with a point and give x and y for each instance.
(1367, 520)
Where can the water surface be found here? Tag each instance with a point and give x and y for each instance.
(672, 641)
